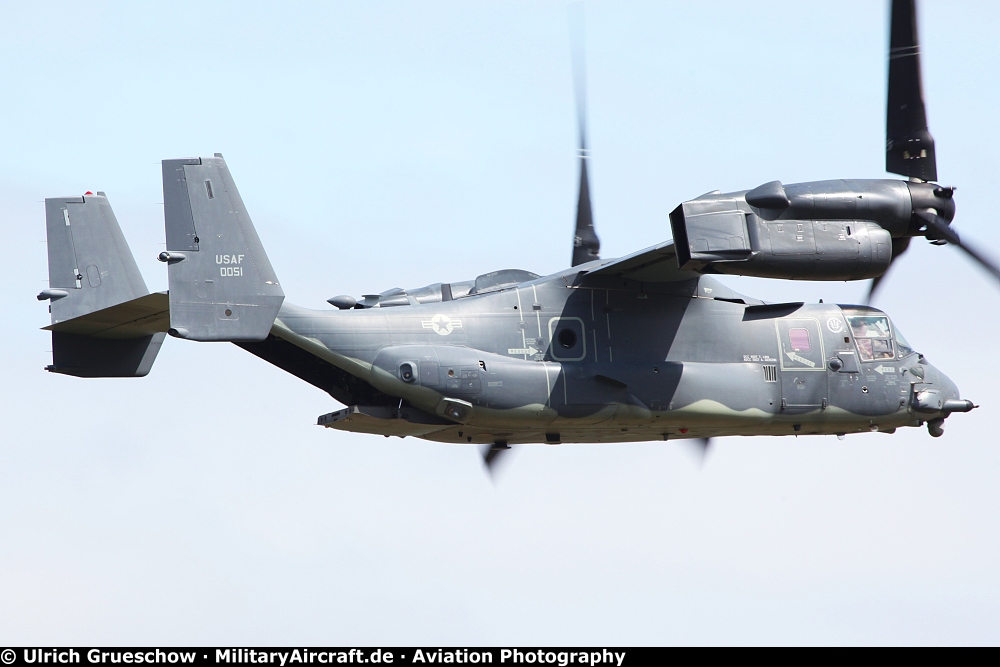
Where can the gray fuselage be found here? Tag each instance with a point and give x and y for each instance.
(560, 359)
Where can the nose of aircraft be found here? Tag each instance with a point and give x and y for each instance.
(936, 397)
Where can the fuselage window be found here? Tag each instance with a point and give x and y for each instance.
(873, 336)
(798, 339)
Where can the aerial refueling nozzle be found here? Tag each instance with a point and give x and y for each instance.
(930, 400)
(958, 405)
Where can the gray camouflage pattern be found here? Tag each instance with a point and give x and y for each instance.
(649, 346)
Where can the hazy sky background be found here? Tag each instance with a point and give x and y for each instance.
(397, 144)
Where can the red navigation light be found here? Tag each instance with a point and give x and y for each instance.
(88, 192)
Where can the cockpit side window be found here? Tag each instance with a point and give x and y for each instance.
(902, 346)
(873, 336)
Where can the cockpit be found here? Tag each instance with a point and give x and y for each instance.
(494, 281)
(875, 336)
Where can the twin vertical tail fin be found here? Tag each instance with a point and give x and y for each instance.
(222, 286)
(105, 323)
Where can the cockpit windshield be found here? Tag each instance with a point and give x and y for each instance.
(873, 335)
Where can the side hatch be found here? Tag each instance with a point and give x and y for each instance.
(802, 365)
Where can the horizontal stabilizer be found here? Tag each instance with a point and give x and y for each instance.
(222, 286)
(137, 318)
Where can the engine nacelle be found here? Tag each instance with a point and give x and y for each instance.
(824, 230)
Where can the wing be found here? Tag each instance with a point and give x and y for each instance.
(656, 264)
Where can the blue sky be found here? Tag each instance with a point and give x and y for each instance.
(397, 144)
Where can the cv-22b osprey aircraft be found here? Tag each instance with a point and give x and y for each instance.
(647, 346)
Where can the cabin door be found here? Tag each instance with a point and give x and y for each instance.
(802, 365)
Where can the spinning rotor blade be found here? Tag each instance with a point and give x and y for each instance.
(909, 146)
(899, 246)
(938, 229)
(492, 455)
(872, 288)
(701, 448)
(586, 245)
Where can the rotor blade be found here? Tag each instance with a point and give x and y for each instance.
(701, 448)
(936, 226)
(577, 37)
(492, 455)
(586, 245)
(909, 146)
(899, 246)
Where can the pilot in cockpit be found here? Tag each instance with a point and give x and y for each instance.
(873, 337)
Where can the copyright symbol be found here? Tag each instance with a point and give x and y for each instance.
(8, 656)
